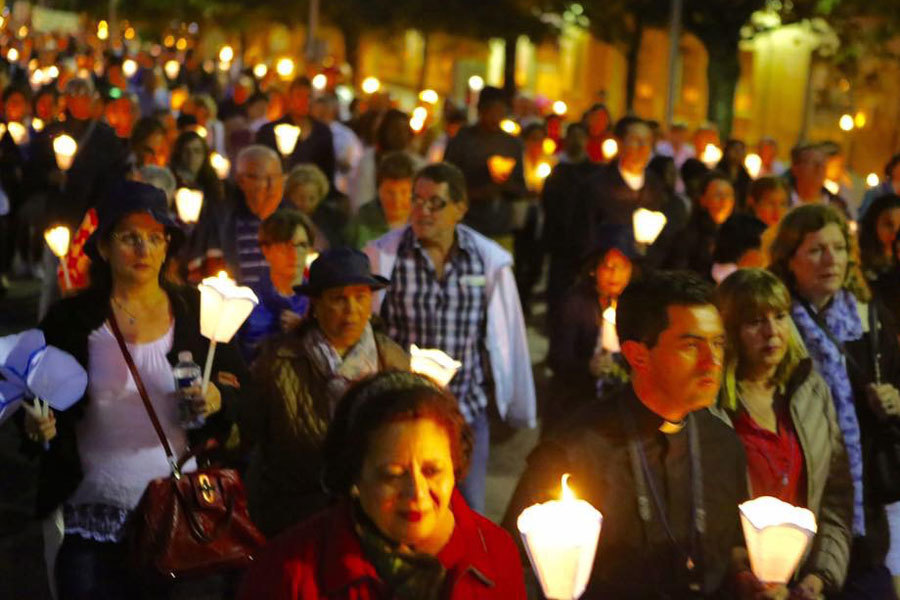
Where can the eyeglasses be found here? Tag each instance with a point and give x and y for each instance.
(133, 239)
(434, 204)
(298, 246)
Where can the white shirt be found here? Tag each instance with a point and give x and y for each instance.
(119, 449)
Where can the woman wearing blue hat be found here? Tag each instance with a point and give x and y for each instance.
(103, 452)
(301, 376)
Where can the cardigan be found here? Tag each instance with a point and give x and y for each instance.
(67, 326)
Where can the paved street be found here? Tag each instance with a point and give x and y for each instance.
(21, 563)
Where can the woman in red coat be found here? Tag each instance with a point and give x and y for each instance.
(394, 452)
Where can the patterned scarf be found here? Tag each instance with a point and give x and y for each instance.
(340, 373)
(409, 576)
(843, 321)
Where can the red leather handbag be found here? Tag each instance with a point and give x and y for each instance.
(188, 524)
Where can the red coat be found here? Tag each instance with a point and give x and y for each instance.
(322, 559)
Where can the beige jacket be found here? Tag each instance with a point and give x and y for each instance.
(829, 487)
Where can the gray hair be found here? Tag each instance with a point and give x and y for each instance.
(159, 177)
(307, 173)
(255, 152)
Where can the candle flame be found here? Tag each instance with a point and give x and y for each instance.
(58, 239)
(609, 148)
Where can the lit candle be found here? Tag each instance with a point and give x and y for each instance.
(172, 68)
(429, 96)
(711, 156)
(648, 224)
(609, 339)
(129, 67)
(285, 68)
(18, 132)
(320, 82)
(561, 539)
(260, 70)
(777, 535)
(609, 148)
(37, 124)
(501, 167)
(832, 186)
(286, 136)
(220, 164)
(226, 54)
(224, 306)
(753, 164)
(560, 108)
(57, 239)
(510, 127)
(188, 202)
(434, 364)
(65, 147)
(543, 170)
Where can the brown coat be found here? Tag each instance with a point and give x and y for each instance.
(829, 487)
(285, 427)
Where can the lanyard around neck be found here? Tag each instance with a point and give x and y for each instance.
(647, 489)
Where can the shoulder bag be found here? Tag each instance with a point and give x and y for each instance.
(188, 524)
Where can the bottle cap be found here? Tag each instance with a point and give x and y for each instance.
(185, 356)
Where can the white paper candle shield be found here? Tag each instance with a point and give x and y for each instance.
(224, 306)
(560, 537)
(172, 68)
(609, 339)
(58, 240)
(434, 364)
(220, 164)
(64, 147)
(189, 203)
(711, 156)
(648, 224)
(777, 535)
(609, 148)
(501, 167)
(286, 136)
(753, 164)
(18, 132)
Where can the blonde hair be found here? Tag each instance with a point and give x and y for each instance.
(743, 296)
(810, 218)
(305, 173)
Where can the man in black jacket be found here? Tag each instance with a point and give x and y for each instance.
(315, 145)
(666, 473)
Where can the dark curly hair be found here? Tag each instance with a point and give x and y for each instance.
(377, 401)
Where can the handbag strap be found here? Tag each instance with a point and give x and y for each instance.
(173, 461)
(875, 346)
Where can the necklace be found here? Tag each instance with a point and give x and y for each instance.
(131, 317)
(785, 473)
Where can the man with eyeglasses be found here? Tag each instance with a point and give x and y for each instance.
(453, 289)
(613, 194)
(227, 235)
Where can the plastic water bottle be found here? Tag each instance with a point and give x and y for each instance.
(187, 374)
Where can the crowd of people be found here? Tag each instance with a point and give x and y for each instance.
(749, 348)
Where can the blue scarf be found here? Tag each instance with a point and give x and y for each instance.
(843, 321)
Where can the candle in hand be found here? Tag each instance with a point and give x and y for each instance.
(433, 363)
(648, 224)
(501, 167)
(220, 164)
(286, 136)
(608, 337)
(65, 147)
(188, 202)
(777, 535)
(753, 164)
(561, 539)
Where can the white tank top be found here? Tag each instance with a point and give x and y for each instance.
(119, 449)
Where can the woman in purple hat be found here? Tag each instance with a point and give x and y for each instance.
(300, 378)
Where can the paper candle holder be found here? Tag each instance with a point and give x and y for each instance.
(501, 167)
(711, 156)
(753, 164)
(777, 535)
(189, 203)
(648, 224)
(18, 132)
(286, 136)
(560, 537)
(609, 148)
(433, 363)
(220, 164)
(609, 339)
(64, 147)
(224, 306)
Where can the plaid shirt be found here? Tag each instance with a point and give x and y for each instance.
(449, 313)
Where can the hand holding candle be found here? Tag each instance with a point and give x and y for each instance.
(561, 539)
(220, 164)
(609, 339)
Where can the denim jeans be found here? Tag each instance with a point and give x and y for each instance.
(473, 487)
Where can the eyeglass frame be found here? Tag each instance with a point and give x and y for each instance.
(145, 241)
